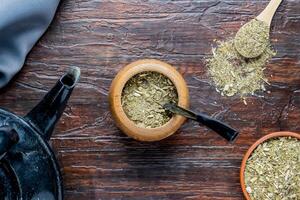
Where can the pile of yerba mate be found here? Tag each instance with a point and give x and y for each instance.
(273, 170)
(234, 74)
(143, 98)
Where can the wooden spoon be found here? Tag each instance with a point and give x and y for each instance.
(268, 13)
(252, 43)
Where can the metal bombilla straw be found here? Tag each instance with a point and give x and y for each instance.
(219, 127)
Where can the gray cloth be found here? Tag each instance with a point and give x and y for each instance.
(22, 22)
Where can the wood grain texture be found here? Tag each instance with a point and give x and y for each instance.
(102, 36)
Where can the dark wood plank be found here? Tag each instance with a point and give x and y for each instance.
(100, 37)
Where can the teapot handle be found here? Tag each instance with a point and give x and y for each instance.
(8, 137)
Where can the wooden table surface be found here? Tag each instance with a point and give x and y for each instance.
(100, 37)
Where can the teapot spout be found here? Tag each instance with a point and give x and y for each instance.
(45, 115)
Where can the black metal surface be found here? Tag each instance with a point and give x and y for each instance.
(8, 138)
(9, 187)
(28, 168)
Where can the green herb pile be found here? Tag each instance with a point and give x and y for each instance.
(143, 98)
(273, 170)
(234, 74)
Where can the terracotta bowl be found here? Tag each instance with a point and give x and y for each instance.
(253, 147)
(121, 119)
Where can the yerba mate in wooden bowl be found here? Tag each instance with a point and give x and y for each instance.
(271, 168)
(137, 96)
(143, 98)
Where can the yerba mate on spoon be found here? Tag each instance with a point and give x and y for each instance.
(219, 127)
(253, 38)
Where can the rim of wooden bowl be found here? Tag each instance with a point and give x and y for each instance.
(253, 147)
(121, 119)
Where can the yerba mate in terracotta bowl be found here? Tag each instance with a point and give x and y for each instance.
(137, 95)
(270, 167)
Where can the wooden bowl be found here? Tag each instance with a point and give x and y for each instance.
(253, 147)
(120, 117)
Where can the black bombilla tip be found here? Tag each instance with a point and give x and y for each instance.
(234, 137)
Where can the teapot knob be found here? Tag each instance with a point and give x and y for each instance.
(8, 137)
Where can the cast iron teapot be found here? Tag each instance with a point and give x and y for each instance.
(28, 167)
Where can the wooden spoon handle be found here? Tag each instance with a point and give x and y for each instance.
(267, 14)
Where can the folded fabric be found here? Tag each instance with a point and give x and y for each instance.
(22, 22)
